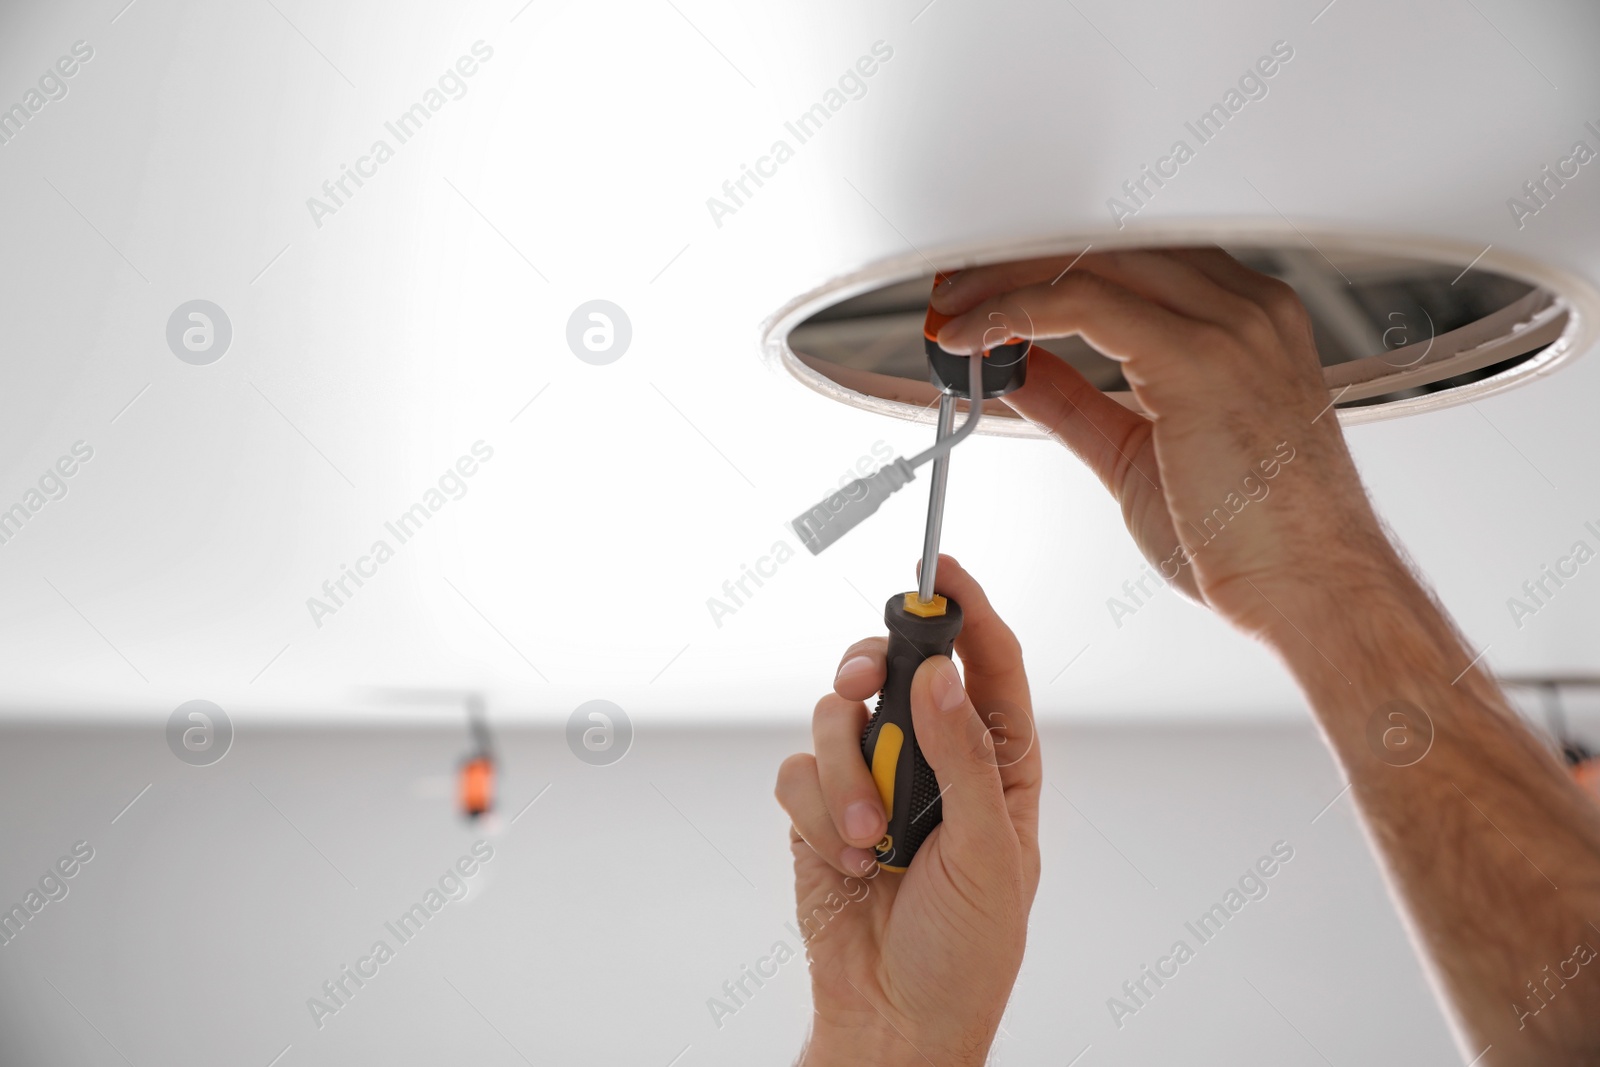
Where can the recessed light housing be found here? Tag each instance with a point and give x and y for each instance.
(1402, 326)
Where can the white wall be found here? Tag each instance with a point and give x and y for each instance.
(608, 915)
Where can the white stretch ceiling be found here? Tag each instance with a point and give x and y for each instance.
(376, 343)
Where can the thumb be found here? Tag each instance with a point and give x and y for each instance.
(1115, 444)
(1099, 431)
(960, 750)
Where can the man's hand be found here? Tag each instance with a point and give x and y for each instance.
(917, 967)
(1222, 360)
(1239, 488)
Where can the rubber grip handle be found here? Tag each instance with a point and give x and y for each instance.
(905, 782)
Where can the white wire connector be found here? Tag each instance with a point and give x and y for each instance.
(822, 525)
(836, 515)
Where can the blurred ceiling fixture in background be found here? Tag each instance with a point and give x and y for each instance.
(1581, 759)
(476, 771)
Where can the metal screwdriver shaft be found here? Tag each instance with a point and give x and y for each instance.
(937, 480)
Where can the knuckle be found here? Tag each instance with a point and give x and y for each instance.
(864, 647)
(1002, 652)
(1278, 295)
(834, 715)
(1005, 640)
(1215, 341)
(1282, 303)
(980, 744)
(1079, 282)
(792, 773)
(1256, 327)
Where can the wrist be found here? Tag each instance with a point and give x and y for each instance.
(1274, 569)
(1370, 637)
(1348, 601)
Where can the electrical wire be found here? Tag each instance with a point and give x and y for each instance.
(839, 512)
(974, 413)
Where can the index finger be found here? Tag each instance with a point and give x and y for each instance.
(862, 669)
(969, 288)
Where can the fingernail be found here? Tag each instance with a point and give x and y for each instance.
(860, 820)
(853, 667)
(947, 692)
(856, 859)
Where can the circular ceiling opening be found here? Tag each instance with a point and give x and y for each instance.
(1398, 330)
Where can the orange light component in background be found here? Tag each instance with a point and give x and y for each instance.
(477, 786)
(1587, 775)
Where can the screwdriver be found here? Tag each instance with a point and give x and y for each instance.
(922, 623)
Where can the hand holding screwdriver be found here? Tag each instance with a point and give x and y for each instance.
(921, 624)
(934, 950)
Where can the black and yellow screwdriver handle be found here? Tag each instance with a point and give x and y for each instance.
(906, 783)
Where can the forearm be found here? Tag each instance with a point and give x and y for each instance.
(877, 1043)
(1491, 847)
